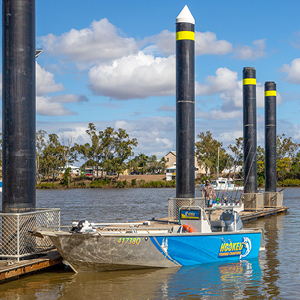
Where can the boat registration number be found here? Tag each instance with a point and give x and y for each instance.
(129, 241)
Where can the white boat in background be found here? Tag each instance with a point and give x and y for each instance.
(224, 184)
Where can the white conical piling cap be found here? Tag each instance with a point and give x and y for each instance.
(185, 16)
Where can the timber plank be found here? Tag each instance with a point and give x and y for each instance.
(27, 266)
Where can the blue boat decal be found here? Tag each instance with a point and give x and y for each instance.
(192, 249)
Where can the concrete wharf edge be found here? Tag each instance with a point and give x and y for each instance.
(53, 258)
(28, 266)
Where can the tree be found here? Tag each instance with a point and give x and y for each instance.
(207, 151)
(108, 149)
(286, 151)
(260, 154)
(142, 160)
(155, 166)
(285, 147)
(52, 159)
(120, 150)
(237, 150)
(69, 153)
(92, 153)
(295, 169)
(40, 144)
(95, 150)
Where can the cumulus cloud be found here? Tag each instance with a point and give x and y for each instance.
(252, 53)
(45, 82)
(292, 71)
(101, 42)
(205, 43)
(219, 115)
(224, 80)
(152, 134)
(52, 106)
(230, 91)
(47, 107)
(135, 76)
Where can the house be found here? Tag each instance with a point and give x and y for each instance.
(74, 171)
(171, 173)
(171, 160)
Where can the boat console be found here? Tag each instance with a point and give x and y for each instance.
(194, 219)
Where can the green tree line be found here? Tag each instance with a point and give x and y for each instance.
(287, 151)
(111, 152)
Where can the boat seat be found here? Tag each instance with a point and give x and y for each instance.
(218, 224)
(176, 229)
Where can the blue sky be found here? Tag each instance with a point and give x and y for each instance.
(113, 63)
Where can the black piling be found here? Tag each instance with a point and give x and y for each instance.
(185, 105)
(270, 137)
(18, 105)
(250, 138)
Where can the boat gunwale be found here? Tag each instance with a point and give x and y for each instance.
(136, 234)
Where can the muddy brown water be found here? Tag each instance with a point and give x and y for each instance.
(274, 275)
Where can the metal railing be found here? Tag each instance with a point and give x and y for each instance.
(253, 201)
(176, 203)
(273, 199)
(15, 239)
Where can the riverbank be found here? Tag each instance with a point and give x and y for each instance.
(123, 181)
(130, 181)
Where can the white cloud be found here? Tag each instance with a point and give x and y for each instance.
(45, 106)
(252, 53)
(219, 115)
(163, 143)
(165, 42)
(224, 80)
(101, 42)
(45, 82)
(52, 106)
(292, 71)
(135, 76)
(205, 43)
(155, 135)
(230, 91)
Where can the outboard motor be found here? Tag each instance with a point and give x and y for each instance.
(82, 226)
(228, 217)
(78, 226)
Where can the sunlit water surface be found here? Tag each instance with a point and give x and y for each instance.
(274, 275)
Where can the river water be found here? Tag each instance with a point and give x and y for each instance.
(274, 275)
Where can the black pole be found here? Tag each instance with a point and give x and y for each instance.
(18, 105)
(250, 139)
(185, 105)
(270, 137)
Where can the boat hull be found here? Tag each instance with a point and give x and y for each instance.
(85, 252)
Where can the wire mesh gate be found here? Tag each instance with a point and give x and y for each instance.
(176, 203)
(15, 239)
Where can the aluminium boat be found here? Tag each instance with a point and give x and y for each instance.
(191, 241)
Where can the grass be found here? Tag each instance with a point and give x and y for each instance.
(106, 183)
